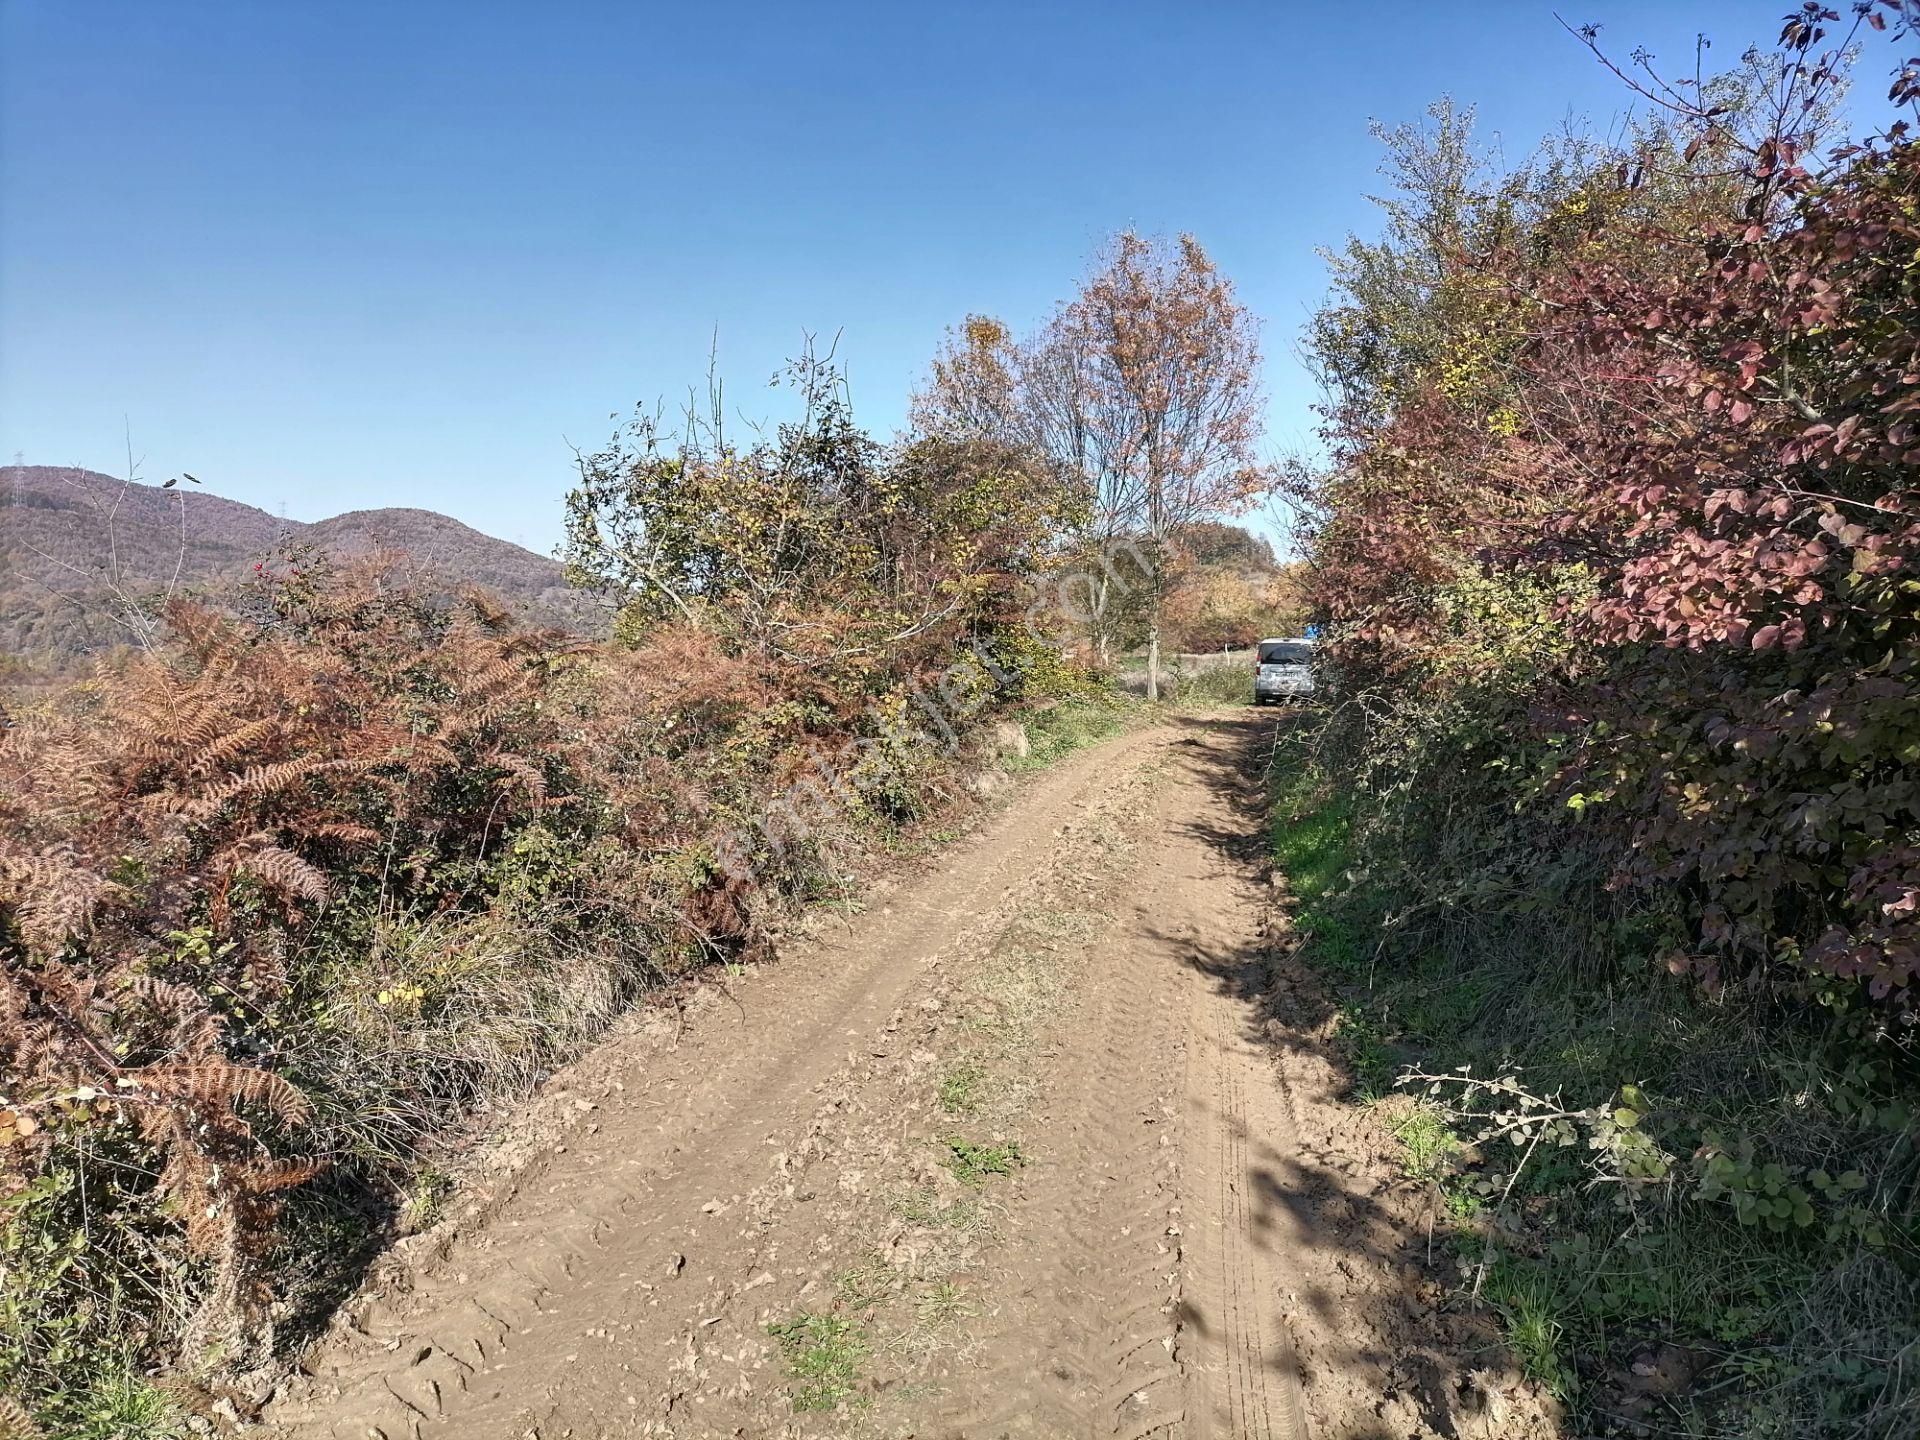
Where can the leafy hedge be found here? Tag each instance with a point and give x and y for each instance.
(1619, 555)
(1653, 506)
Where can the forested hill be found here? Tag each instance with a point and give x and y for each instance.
(65, 534)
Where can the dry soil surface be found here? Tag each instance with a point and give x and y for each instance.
(1045, 1141)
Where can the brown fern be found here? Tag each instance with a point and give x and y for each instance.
(341, 832)
(221, 1084)
(269, 1176)
(52, 894)
(195, 1031)
(279, 869)
(218, 752)
(16, 1423)
(255, 781)
(528, 776)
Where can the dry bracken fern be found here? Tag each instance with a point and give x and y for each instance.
(275, 867)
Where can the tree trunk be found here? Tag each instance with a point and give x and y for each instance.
(1153, 619)
(1099, 621)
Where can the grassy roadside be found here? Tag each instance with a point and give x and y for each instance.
(1681, 1218)
(1073, 724)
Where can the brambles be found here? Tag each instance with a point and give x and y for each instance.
(1663, 595)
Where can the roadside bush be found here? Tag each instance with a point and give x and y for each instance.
(1616, 555)
(1696, 1186)
(284, 902)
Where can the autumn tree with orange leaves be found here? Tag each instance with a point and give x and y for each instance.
(1143, 389)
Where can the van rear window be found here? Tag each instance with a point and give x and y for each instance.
(1287, 652)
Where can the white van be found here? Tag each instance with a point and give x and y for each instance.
(1282, 670)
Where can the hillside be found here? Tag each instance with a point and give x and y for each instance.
(69, 538)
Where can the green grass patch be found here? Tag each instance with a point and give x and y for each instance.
(1530, 1305)
(961, 1088)
(823, 1355)
(1309, 831)
(427, 1202)
(1428, 1143)
(1073, 724)
(116, 1405)
(1361, 1041)
(1310, 847)
(973, 1164)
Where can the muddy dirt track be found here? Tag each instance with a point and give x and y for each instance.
(1042, 1142)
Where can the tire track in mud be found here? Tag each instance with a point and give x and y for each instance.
(1087, 1329)
(1243, 1377)
(1242, 1368)
(1085, 1343)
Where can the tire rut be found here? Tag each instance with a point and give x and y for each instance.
(1085, 1344)
(1148, 1281)
(1242, 1369)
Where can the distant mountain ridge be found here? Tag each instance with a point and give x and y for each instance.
(66, 533)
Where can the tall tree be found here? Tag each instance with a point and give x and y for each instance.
(1144, 388)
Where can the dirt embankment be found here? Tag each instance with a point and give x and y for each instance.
(1044, 1142)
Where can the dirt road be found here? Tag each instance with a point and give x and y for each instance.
(1032, 1146)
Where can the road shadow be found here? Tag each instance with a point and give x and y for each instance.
(1386, 1347)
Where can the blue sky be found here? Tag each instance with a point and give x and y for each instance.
(342, 255)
